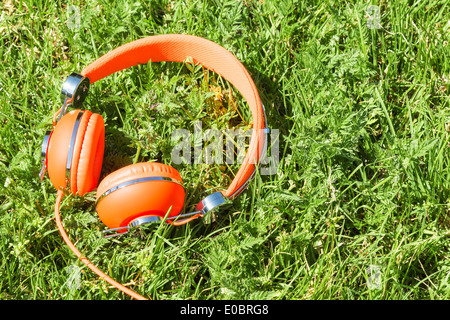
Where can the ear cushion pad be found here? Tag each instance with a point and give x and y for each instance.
(128, 202)
(88, 153)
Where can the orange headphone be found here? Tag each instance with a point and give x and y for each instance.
(144, 192)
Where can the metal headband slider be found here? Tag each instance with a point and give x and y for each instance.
(210, 204)
(76, 89)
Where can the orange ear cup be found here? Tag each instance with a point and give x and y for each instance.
(137, 190)
(87, 151)
(58, 149)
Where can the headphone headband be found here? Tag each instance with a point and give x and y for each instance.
(176, 48)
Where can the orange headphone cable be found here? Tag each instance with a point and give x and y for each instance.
(105, 277)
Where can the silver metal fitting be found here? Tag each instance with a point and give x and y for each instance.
(134, 223)
(209, 206)
(144, 220)
(44, 150)
(75, 88)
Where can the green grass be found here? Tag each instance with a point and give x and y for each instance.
(363, 180)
